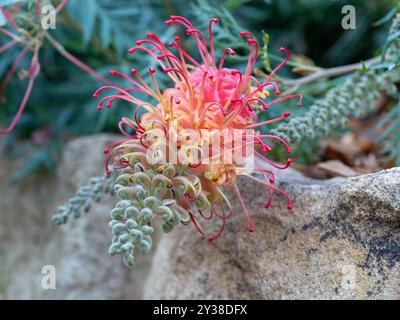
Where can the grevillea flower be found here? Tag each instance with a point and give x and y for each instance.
(204, 95)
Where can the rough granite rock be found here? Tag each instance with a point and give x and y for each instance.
(340, 241)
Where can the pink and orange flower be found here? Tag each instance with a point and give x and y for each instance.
(205, 95)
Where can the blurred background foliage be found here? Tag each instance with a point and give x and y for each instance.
(99, 32)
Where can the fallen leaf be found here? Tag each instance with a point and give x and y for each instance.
(336, 168)
(338, 151)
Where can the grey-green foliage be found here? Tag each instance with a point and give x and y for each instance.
(354, 98)
(390, 137)
(114, 21)
(225, 33)
(393, 42)
(84, 197)
(142, 195)
(128, 233)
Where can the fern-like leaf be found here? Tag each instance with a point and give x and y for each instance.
(84, 198)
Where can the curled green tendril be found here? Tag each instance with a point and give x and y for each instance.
(147, 194)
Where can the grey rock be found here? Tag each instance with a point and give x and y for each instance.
(77, 250)
(341, 241)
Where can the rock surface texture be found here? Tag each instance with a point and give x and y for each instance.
(78, 250)
(341, 240)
